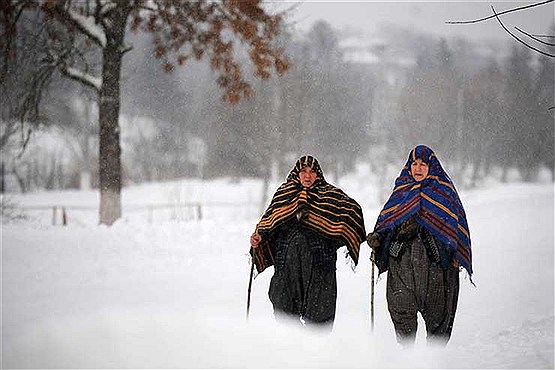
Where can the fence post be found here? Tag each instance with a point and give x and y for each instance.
(199, 212)
(54, 209)
(64, 216)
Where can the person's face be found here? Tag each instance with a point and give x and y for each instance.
(307, 176)
(419, 169)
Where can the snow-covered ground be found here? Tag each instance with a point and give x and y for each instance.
(172, 294)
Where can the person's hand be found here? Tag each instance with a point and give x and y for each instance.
(255, 240)
(373, 240)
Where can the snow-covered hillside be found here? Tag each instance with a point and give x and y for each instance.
(173, 293)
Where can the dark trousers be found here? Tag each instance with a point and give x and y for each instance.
(416, 284)
(303, 286)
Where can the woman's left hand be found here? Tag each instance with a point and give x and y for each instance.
(373, 240)
(255, 239)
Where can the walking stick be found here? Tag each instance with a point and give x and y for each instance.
(249, 292)
(372, 294)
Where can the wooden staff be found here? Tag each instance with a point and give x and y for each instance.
(250, 286)
(372, 295)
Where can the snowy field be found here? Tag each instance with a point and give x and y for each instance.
(172, 293)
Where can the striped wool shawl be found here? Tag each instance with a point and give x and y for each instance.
(328, 211)
(433, 201)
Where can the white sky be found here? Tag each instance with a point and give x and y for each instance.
(428, 17)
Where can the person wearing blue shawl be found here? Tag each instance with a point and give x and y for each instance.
(422, 239)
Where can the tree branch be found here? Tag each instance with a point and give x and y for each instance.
(150, 9)
(535, 38)
(126, 48)
(519, 40)
(106, 8)
(85, 25)
(24, 141)
(86, 79)
(9, 128)
(503, 12)
(9, 17)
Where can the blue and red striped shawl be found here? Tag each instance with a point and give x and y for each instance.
(434, 202)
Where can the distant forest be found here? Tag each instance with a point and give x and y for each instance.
(484, 108)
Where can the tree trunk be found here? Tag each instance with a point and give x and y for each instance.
(2, 178)
(108, 116)
(504, 173)
(60, 173)
(20, 180)
(85, 166)
(476, 171)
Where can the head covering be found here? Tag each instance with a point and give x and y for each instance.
(433, 202)
(306, 161)
(328, 211)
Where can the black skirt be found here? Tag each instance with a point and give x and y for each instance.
(304, 283)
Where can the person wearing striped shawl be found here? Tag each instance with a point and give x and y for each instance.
(422, 238)
(306, 222)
